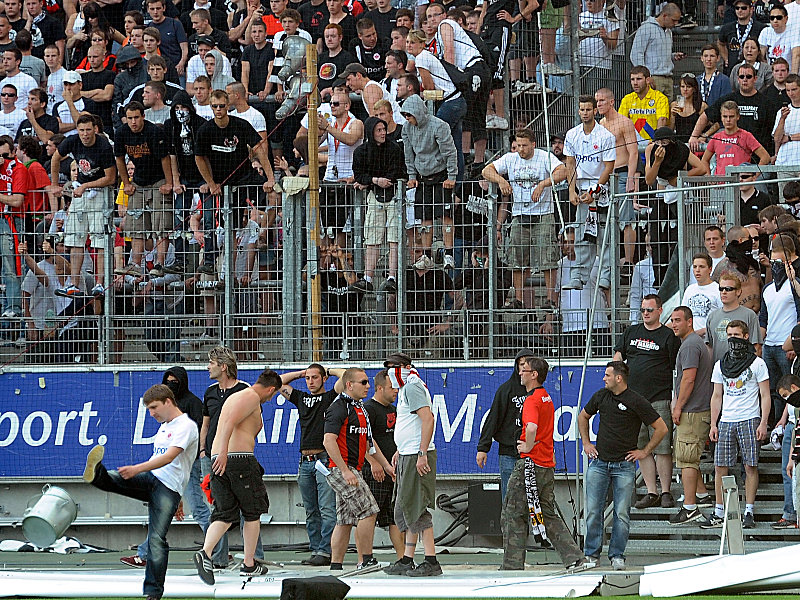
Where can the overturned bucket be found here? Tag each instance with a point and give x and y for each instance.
(49, 517)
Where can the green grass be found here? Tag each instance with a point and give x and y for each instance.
(727, 597)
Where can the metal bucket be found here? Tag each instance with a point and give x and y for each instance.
(48, 516)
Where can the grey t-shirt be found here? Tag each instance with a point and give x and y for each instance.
(717, 322)
(693, 354)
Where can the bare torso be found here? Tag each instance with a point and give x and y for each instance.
(243, 437)
(618, 125)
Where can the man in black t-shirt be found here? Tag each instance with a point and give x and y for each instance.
(733, 34)
(318, 497)
(38, 123)
(45, 30)
(382, 418)
(370, 50)
(98, 86)
(614, 454)
(314, 15)
(223, 158)
(384, 18)
(650, 350)
(255, 60)
(150, 192)
(223, 368)
(348, 441)
(96, 170)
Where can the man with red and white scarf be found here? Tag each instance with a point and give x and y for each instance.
(415, 467)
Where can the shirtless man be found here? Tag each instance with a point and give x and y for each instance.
(740, 245)
(236, 476)
(625, 167)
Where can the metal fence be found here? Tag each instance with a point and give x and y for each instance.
(462, 288)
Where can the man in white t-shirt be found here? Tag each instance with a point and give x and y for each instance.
(160, 480)
(703, 295)
(24, 83)
(531, 174)
(595, 51)
(415, 471)
(238, 98)
(740, 407)
(786, 131)
(590, 154)
(780, 39)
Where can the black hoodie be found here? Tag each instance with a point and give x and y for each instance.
(378, 160)
(183, 146)
(504, 422)
(185, 399)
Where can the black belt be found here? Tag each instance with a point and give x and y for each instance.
(313, 457)
(622, 169)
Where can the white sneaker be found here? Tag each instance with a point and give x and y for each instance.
(500, 123)
(424, 263)
(449, 263)
(618, 563)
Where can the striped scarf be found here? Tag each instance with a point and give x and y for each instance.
(534, 507)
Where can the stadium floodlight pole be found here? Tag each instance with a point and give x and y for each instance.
(313, 200)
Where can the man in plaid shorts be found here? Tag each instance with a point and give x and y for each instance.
(738, 417)
(348, 441)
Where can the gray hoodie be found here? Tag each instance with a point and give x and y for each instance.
(652, 48)
(428, 145)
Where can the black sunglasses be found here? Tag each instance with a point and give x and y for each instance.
(743, 76)
(363, 382)
(776, 17)
(647, 310)
(8, 95)
(335, 104)
(727, 288)
(218, 106)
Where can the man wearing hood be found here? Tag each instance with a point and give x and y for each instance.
(432, 161)
(652, 47)
(740, 263)
(181, 131)
(503, 423)
(133, 72)
(377, 165)
(740, 408)
(177, 380)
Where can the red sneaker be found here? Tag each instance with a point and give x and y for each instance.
(134, 561)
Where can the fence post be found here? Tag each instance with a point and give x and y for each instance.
(613, 224)
(228, 258)
(359, 205)
(491, 198)
(681, 248)
(292, 242)
(106, 337)
(402, 255)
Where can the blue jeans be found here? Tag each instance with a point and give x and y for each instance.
(319, 500)
(506, 467)
(161, 505)
(196, 503)
(453, 112)
(8, 256)
(220, 554)
(600, 475)
(786, 451)
(778, 366)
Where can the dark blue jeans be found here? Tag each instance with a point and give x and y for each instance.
(620, 477)
(319, 500)
(453, 112)
(162, 503)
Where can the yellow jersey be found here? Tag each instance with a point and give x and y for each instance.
(645, 112)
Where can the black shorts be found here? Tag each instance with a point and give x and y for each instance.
(240, 489)
(336, 203)
(477, 101)
(498, 39)
(383, 492)
(431, 200)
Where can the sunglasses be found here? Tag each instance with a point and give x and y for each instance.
(743, 76)
(8, 95)
(5, 155)
(363, 382)
(335, 104)
(727, 288)
(691, 75)
(647, 310)
(776, 17)
(218, 106)
(741, 7)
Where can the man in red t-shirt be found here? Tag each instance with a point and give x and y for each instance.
(40, 206)
(733, 146)
(530, 498)
(14, 186)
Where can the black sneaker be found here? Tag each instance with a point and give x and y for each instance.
(256, 570)
(648, 501)
(206, 269)
(684, 516)
(204, 567)
(711, 522)
(667, 501)
(749, 521)
(687, 22)
(174, 269)
(389, 286)
(705, 502)
(318, 560)
(399, 568)
(362, 286)
(372, 562)
(425, 569)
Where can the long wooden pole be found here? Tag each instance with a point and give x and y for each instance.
(313, 200)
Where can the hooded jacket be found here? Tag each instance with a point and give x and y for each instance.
(219, 79)
(428, 145)
(127, 80)
(371, 159)
(652, 47)
(504, 421)
(183, 146)
(185, 399)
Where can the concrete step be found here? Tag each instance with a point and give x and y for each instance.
(663, 529)
(768, 507)
(699, 547)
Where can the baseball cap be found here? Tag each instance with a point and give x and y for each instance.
(663, 133)
(352, 69)
(72, 77)
(397, 359)
(560, 135)
(207, 40)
